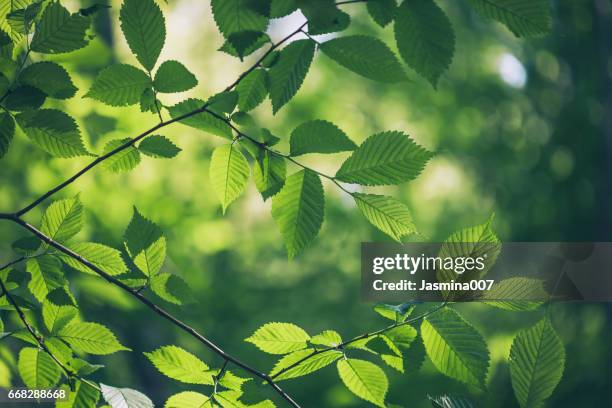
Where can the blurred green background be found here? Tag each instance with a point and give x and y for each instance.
(521, 128)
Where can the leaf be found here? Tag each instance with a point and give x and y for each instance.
(59, 31)
(364, 379)
(7, 131)
(63, 219)
(202, 121)
(46, 276)
(324, 17)
(366, 56)
(279, 338)
(119, 85)
(244, 43)
(178, 364)
(523, 17)
(282, 8)
(171, 288)
(6, 7)
(401, 336)
(455, 347)
(287, 75)
(189, 399)
(172, 76)
(387, 214)
(92, 338)
(55, 317)
(146, 244)
(224, 102)
(122, 161)
(50, 78)
(252, 90)
(144, 28)
(308, 366)
(24, 98)
(37, 369)
(319, 136)
(54, 131)
(125, 397)
(392, 312)
(425, 38)
(328, 338)
(232, 381)
(517, 294)
(83, 395)
(269, 173)
(450, 401)
(159, 147)
(537, 360)
(234, 16)
(298, 210)
(382, 11)
(106, 258)
(229, 173)
(384, 159)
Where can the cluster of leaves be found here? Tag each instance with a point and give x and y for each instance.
(453, 345)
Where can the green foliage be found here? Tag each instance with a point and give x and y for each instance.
(366, 56)
(106, 258)
(298, 210)
(83, 395)
(119, 85)
(364, 379)
(328, 338)
(234, 16)
(145, 244)
(172, 76)
(319, 136)
(125, 160)
(382, 11)
(7, 131)
(450, 401)
(387, 214)
(289, 72)
(55, 317)
(125, 397)
(537, 358)
(324, 16)
(63, 219)
(144, 28)
(269, 172)
(92, 338)
(50, 78)
(159, 147)
(189, 399)
(455, 347)
(425, 38)
(171, 288)
(59, 31)
(46, 276)
(283, 369)
(395, 313)
(37, 369)
(384, 159)
(523, 17)
(229, 173)
(279, 338)
(178, 364)
(203, 121)
(528, 292)
(252, 90)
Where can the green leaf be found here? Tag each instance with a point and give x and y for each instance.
(244, 43)
(233, 16)
(50, 78)
(159, 147)
(178, 364)
(319, 136)
(92, 338)
(450, 401)
(328, 338)
(37, 369)
(172, 76)
(144, 28)
(59, 31)
(224, 102)
(287, 75)
(387, 214)
(125, 397)
(24, 98)
(46, 276)
(425, 38)
(517, 294)
(366, 56)
(83, 395)
(324, 16)
(203, 121)
(171, 288)
(146, 244)
(282, 8)
(55, 317)
(148, 102)
(523, 17)
(6, 7)
(364, 379)
(384, 159)
(455, 347)
(401, 336)
(119, 85)
(310, 365)
(269, 173)
(279, 338)
(537, 359)
(123, 161)
(392, 312)
(232, 381)
(7, 131)
(106, 258)
(229, 173)
(63, 219)
(189, 399)
(382, 11)
(252, 90)
(298, 210)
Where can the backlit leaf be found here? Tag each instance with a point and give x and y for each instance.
(144, 28)
(119, 85)
(229, 173)
(319, 136)
(178, 364)
(288, 73)
(92, 338)
(279, 338)
(364, 379)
